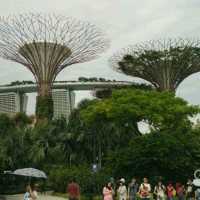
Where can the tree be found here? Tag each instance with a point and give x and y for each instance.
(15, 142)
(22, 120)
(165, 64)
(162, 110)
(173, 156)
(105, 93)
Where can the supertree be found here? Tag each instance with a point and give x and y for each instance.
(163, 63)
(46, 44)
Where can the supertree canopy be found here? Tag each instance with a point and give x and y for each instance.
(165, 64)
(46, 44)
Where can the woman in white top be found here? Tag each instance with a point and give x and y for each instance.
(27, 194)
(122, 191)
(144, 190)
(159, 191)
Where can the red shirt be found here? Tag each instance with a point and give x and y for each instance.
(73, 190)
(170, 191)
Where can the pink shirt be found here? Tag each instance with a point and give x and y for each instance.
(107, 194)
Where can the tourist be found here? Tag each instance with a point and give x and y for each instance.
(159, 191)
(73, 190)
(180, 191)
(28, 193)
(108, 192)
(171, 192)
(122, 191)
(197, 193)
(34, 193)
(189, 190)
(133, 189)
(145, 189)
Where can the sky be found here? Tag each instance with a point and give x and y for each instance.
(125, 22)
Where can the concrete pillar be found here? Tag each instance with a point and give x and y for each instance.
(22, 100)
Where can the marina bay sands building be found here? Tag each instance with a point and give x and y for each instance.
(12, 102)
(63, 102)
(13, 98)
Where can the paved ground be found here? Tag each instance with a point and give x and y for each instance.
(41, 197)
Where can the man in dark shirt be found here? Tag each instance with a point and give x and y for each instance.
(73, 191)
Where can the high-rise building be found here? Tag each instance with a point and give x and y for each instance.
(12, 103)
(63, 102)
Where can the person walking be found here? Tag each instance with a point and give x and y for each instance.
(122, 191)
(180, 191)
(189, 190)
(159, 191)
(108, 192)
(145, 190)
(171, 192)
(133, 189)
(73, 190)
(27, 194)
(33, 192)
(197, 193)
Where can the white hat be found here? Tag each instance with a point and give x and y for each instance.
(122, 180)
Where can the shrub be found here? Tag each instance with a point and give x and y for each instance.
(90, 183)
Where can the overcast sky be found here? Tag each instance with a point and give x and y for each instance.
(125, 21)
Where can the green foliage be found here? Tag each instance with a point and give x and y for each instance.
(21, 120)
(44, 107)
(6, 124)
(105, 132)
(88, 181)
(14, 143)
(21, 83)
(165, 64)
(49, 140)
(162, 110)
(172, 156)
(106, 93)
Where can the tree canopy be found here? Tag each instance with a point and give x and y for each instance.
(163, 63)
(127, 106)
(175, 157)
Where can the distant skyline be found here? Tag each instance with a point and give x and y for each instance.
(126, 22)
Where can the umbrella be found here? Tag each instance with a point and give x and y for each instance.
(30, 172)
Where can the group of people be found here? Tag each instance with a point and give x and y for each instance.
(144, 191)
(31, 192)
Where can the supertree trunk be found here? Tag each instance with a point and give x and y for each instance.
(44, 89)
(44, 102)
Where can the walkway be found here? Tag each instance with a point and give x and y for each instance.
(42, 197)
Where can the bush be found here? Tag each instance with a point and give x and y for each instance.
(44, 107)
(174, 156)
(90, 183)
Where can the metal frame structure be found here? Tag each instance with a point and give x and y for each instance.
(46, 44)
(163, 63)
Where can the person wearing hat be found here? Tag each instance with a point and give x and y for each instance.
(122, 191)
